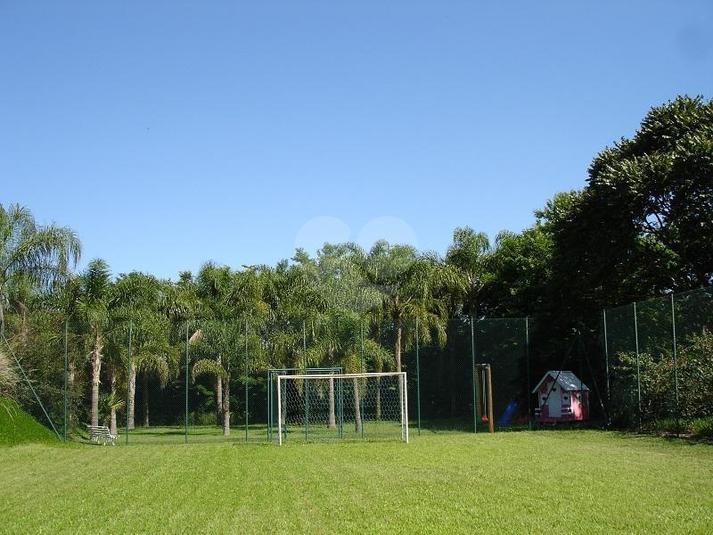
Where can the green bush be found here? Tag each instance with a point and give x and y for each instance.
(702, 427)
(661, 408)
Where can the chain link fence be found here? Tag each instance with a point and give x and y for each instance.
(660, 363)
(647, 366)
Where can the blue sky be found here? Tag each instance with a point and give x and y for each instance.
(173, 133)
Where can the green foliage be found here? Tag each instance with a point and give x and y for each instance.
(520, 272)
(644, 223)
(694, 372)
(208, 367)
(702, 427)
(29, 252)
(469, 256)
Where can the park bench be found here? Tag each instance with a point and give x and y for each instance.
(100, 434)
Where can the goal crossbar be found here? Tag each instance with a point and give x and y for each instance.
(377, 400)
(327, 375)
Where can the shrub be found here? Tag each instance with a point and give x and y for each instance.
(657, 376)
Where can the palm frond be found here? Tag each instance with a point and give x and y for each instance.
(208, 367)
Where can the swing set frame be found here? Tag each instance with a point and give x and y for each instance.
(483, 379)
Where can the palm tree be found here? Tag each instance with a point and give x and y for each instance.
(228, 298)
(213, 285)
(65, 299)
(141, 300)
(217, 341)
(93, 307)
(157, 358)
(115, 354)
(43, 254)
(411, 288)
(469, 255)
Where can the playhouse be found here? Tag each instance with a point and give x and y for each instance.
(561, 397)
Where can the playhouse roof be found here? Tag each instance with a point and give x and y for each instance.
(567, 380)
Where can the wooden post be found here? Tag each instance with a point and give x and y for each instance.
(491, 424)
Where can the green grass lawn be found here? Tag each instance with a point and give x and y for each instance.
(534, 482)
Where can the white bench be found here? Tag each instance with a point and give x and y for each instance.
(100, 434)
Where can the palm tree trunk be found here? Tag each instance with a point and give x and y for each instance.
(397, 343)
(357, 406)
(145, 386)
(219, 397)
(96, 361)
(332, 418)
(112, 381)
(226, 409)
(131, 407)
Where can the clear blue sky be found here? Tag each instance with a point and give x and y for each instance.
(167, 134)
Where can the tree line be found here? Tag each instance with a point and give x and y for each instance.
(641, 226)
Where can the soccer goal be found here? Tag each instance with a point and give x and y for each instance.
(344, 406)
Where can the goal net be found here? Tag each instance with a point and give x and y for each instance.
(350, 406)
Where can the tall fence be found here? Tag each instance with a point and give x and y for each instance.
(659, 355)
(647, 365)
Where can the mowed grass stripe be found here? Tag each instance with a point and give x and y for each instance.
(589, 482)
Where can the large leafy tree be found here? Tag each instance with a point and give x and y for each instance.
(660, 183)
(519, 273)
(644, 223)
(32, 252)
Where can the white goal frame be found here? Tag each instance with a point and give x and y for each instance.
(403, 391)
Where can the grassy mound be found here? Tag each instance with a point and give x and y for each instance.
(18, 427)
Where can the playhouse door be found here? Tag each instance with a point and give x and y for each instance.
(554, 404)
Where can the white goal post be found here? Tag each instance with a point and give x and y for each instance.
(342, 406)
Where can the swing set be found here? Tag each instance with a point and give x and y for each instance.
(484, 395)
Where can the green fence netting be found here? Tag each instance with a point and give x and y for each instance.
(661, 360)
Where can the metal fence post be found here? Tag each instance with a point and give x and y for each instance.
(128, 379)
(305, 390)
(527, 364)
(269, 406)
(362, 392)
(675, 364)
(606, 364)
(638, 364)
(185, 432)
(418, 380)
(66, 374)
(475, 386)
(246, 382)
